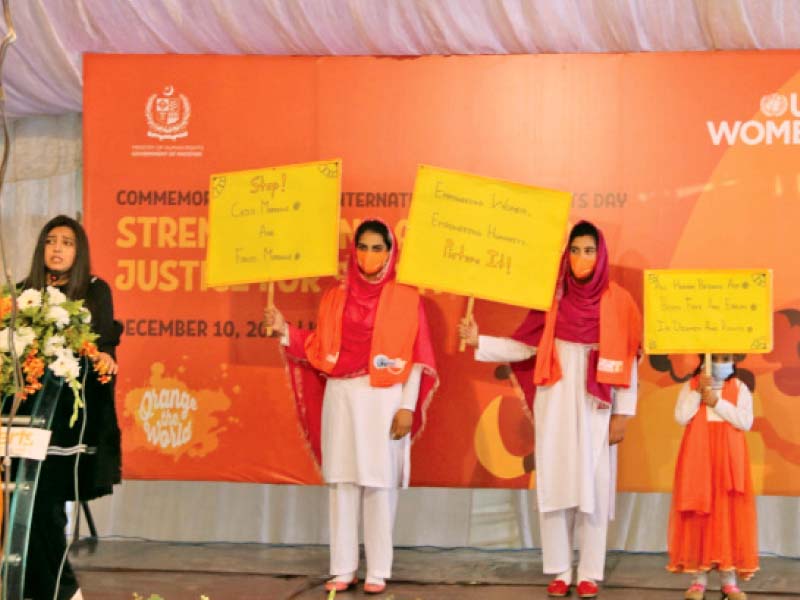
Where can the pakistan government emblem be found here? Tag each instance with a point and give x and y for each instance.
(168, 115)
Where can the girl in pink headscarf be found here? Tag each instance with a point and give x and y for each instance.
(362, 381)
(579, 359)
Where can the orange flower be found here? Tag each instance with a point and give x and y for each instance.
(32, 388)
(88, 349)
(33, 368)
(5, 306)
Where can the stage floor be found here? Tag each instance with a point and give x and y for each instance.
(116, 569)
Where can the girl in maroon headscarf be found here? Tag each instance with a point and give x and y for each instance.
(362, 381)
(579, 359)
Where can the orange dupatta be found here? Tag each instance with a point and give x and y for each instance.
(396, 326)
(620, 338)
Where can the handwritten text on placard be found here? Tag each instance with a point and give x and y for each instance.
(274, 223)
(708, 311)
(482, 237)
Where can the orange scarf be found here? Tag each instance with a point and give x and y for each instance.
(693, 470)
(620, 338)
(391, 350)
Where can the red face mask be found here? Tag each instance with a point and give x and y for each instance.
(582, 266)
(371, 262)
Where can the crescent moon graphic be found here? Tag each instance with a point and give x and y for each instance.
(490, 449)
(169, 90)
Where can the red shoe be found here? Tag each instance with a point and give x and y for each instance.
(696, 591)
(558, 588)
(339, 586)
(374, 588)
(732, 592)
(587, 589)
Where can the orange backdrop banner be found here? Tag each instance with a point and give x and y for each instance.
(684, 160)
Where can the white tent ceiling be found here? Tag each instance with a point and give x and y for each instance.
(43, 69)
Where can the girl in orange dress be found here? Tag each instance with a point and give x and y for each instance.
(713, 516)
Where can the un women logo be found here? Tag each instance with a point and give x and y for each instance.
(774, 105)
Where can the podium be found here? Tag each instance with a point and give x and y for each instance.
(29, 438)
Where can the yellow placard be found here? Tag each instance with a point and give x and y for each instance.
(482, 237)
(274, 223)
(721, 311)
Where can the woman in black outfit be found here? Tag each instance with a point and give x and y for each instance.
(61, 259)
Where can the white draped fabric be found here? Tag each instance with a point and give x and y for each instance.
(43, 77)
(43, 179)
(201, 512)
(43, 73)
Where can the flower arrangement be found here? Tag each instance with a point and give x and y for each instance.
(51, 332)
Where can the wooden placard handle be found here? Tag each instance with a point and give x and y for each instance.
(707, 364)
(470, 306)
(270, 302)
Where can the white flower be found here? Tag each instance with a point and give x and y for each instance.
(54, 344)
(86, 316)
(55, 296)
(29, 299)
(23, 337)
(66, 364)
(58, 315)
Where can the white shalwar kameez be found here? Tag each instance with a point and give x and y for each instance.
(364, 466)
(576, 469)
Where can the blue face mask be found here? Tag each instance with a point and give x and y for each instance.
(721, 371)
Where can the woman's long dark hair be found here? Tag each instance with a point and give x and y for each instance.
(79, 274)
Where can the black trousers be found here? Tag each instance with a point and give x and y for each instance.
(47, 543)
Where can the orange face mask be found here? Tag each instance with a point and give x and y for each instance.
(371, 262)
(582, 266)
